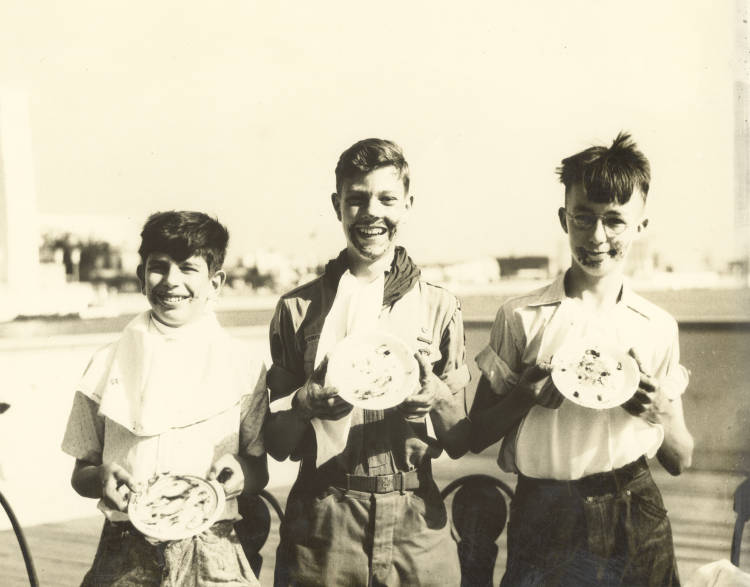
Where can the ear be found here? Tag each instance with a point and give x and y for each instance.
(563, 219)
(141, 275)
(336, 202)
(642, 225)
(217, 280)
(409, 201)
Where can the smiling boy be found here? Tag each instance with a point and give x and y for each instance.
(364, 509)
(174, 393)
(586, 510)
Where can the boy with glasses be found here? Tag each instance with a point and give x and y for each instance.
(586, 510)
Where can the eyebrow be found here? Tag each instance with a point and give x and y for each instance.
(582, 208)
(189, 263)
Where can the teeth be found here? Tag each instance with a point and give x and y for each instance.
(173, 299)
(371, 231)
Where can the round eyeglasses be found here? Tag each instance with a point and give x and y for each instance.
(613, 225)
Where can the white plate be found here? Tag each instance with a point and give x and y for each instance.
(595, 375)
(374, 371)
(173, 507)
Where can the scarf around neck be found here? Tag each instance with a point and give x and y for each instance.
(399, 279)
(154, 378)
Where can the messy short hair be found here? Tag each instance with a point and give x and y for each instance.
(369, 154)
(182, 234)
(608, 174)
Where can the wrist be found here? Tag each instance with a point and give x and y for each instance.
(300, 407)
(525, 394)
(444, 396)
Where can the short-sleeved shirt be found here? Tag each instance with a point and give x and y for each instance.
(380, 442)
(573, 441)
(192, 449)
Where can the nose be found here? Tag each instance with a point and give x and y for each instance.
(172, 276)
(372, 207)
(599, 234)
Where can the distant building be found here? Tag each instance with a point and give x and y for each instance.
(480, 271)
(527, 267)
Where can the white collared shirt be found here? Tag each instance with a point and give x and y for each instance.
(572, 441)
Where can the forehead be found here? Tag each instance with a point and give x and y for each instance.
(577, 199)
(158, 257)
(381, 179)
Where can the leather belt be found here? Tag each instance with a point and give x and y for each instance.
(381, 483)
(608, 482)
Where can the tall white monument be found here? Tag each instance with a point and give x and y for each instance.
(19, 229)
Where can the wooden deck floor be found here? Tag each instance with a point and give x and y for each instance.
(700, 505)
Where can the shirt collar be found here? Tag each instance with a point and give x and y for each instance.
(554, 293)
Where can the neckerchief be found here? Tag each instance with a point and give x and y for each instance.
(399, 279)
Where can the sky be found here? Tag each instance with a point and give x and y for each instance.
(242, 108)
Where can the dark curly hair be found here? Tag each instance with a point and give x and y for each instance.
(182, 234)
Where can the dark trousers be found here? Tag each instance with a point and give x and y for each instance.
(605, 529)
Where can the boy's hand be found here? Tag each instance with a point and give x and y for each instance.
(314, 400)
(536, 383)
(649, 401)
(431, 388)
(227, 470)
(116, 484)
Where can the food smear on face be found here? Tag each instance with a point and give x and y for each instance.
(375, 373)
(174, 504)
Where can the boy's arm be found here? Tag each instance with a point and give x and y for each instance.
(652, 403)
(84, 440)
(446, 409)
(442, 389)
(247, 471)
(285, 429)
(493, 416)
(676, 452)
(240, 473)
(109, 482)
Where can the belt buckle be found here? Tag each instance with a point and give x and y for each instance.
(385, 483)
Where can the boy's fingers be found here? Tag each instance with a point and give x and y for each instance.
(632, 352)
(327, 393)
(319, 373)
(535, 373)
(125, 478)
(633, 407)
(224, 475)
(550, 397)
(425, 369)
(647, 384)
(642, 397)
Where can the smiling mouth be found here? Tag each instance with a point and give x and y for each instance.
(171, 300)
(370, 231)
(610, 253)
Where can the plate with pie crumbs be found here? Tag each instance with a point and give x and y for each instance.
(373, 371)
(173, 507)
(594, 375)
